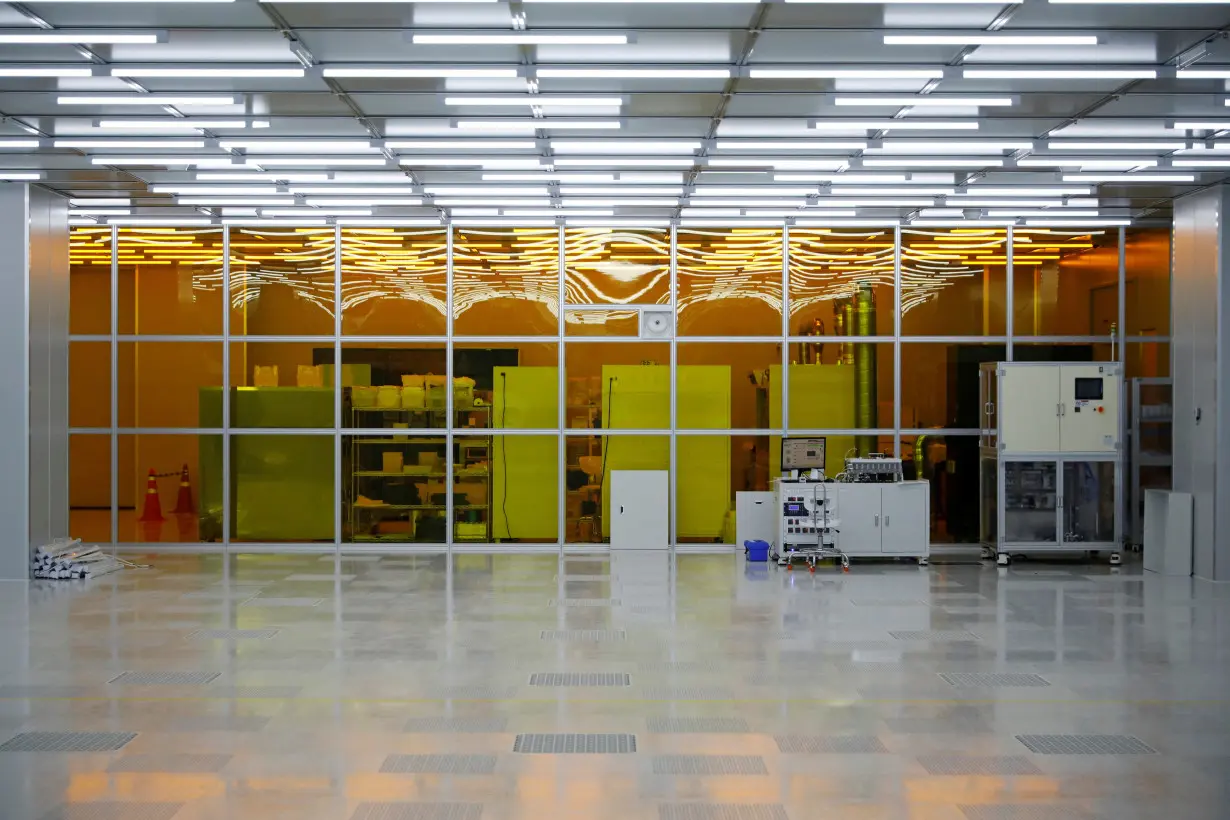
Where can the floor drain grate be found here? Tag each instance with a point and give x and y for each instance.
(696, 725)
(687, 693)
(830, 744)
(934, 635)
(585, 602)
(460, 725)
(438, 764)
(1024, 812)
(580, 679)
(114, 810)
(709, 764)
(68, 742)
(233, 634)
(164, 678)
(583, 635)
(723, 811)
(1086, 745)
(170, 763)
(948, 764)
(583, 744)
(418, 811)
(993, 680)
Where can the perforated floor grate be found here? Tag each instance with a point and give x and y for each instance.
(450, 725)
(829, 744)
(1024, 812)
(580, 679)
(271, 602)
(233, 634)
(696, 725)
(438, 764)
(934, 635)
(68, 742)
(993, 680)
(585, 602)
(1086, 745)
(583, 635)
(563, 744)
(687, 693)
(723, 811)
(709, 765)
(272, 692)
(170, 763)
(114, 810)
(988, 765)
(418, 811)
(936, 726)
(164, 678)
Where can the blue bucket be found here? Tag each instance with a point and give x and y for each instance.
(756, 550)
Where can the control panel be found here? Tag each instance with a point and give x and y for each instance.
(806, 513)
(874, 468)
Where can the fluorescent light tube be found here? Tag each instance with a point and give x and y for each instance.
(950, 147)
(1201, 163)
(972, 39)
(485, 190)
(846, 73)
(538, 100)
(20, 176)
(962, 223)
(565, 162)
(275, 223)
(99, 212)
(214, 190)
(544, 176)
(535, 125)
(170, 124)
(472, 162)
(145, 99)
(1201, 126)
(647, 222)
(718, 190)
(554, 212)
(213, 202)
(339, 190)
(789, 213)
(1059, 74)
(44, 71)
(950, 102)
(232, 71)
(979, 202)
(788, 145)
(214, 161)
(718, 202)
(408, 200)
(1020, 213)
(645, 203)
(255, 161)
(899, 202)
(520, 38)
(223, 176)
(1056, 145)
(1078, 223)
(846, 178)
(463, 145)
(449, 202)
(581, 190)
(307, 146)
(176, 221)
(921, 190)
(622, 147)
(817, 163)
(67, 37)
(1129, 177)
(154, 143)
(913, 162)
(634, 73)
(18, 143)
(381, 223)
(442, 72)
(905, 124)
(985, 190)
(76, 202)
(321, 211)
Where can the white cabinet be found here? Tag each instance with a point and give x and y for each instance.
(1057, 408)
(884, 519)
(640, 510)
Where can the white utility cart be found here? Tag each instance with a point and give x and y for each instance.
(1051, 459)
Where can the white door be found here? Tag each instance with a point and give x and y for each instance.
(905, 526)
(1089, 420)
(640, 510)
(858, 513)
(1029, 408)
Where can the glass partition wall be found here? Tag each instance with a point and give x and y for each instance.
(473, 388)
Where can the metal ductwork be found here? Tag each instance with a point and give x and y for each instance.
(866, 398)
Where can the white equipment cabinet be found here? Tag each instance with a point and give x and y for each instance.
(1051, 458)
(640, 510)
(885, 519)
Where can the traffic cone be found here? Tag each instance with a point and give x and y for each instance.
(183, 504)
(152, 511)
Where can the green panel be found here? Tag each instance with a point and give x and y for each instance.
(525, 504)
(526, 398)
(632, 453)
(703, 489)
(636, 397)
(283, 488)
(703, 402)
(821, 397)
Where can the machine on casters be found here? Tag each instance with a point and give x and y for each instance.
(1051, 459)
(807, 522)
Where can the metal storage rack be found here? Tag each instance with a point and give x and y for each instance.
(1051, 461)
(413, 514)
(1152, 454)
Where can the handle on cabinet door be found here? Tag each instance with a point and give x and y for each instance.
(621, 509)
(877, 520)
(886, 520)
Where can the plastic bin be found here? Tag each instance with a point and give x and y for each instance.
(757, 551)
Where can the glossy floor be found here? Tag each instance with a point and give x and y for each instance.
(403, 687)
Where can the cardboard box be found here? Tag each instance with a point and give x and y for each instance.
(393, 462)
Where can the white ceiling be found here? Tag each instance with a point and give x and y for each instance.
(676, 137)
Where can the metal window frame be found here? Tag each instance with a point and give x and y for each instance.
(562, 433)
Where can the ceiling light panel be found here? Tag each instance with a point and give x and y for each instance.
(146, 99)
(925, 101)
(44, 71)
(229, 72)
(1059, 73)
(917, 124)
(424, 72)
(78, 36)
(975, 39)
(846, 73)
(519, 38)
(623, 147)
(522, 126)
(539, 101)
(634, 73)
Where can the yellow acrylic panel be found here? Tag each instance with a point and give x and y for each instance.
(702, 494)
(526, 475)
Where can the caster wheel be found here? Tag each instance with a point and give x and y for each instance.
(789, 568)
(1003, 560)
(1115, 559)
(922, 562)
(987, 554)
(812, 569)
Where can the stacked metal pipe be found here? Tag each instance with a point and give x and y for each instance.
(67, 558)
